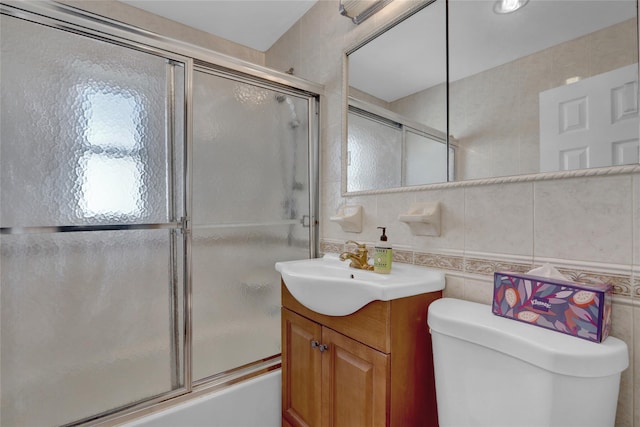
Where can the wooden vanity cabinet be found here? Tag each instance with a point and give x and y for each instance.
(376, 368)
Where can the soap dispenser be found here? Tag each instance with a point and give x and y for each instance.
(383, 255)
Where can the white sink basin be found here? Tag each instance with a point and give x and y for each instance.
(329, 286)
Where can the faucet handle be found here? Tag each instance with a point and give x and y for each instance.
(359, 245)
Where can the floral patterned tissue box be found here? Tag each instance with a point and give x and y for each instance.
(581, 310)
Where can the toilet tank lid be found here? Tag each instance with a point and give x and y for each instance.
(553, 351)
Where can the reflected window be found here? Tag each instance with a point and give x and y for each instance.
(389, 152)
(111, 166)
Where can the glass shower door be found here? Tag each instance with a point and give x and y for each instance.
(250, 209)
(90, 202)
(124, 280)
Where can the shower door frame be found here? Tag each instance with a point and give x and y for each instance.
(84, 23)
(218, 379)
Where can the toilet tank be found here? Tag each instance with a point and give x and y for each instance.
(492, 371)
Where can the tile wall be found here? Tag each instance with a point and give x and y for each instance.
(588, 227)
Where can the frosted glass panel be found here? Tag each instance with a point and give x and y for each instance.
(250, 153)
(82, 130)
(374, 154)
(236, 295)
(93, 321)
(85, 323)
(86, 317)
(250, 193)
(425, 160)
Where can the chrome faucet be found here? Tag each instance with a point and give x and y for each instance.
(359, 258)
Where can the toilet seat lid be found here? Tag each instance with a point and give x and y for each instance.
(553, 351)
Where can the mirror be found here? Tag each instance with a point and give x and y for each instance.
(397, 106)
(549, 87)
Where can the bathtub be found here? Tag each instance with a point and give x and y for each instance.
(251, 403)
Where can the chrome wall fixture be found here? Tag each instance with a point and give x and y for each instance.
(360, 10)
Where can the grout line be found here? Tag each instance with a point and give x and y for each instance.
(533, 222)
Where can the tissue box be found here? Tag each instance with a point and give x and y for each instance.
(576, 309)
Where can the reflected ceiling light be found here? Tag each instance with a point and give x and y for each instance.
(359, 10)
(508, 6)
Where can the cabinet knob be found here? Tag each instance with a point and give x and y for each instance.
(321, 347)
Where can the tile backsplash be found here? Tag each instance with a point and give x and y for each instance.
(476, 265)
(588, 227)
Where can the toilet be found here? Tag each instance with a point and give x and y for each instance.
(497, 372)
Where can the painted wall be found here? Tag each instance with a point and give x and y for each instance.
(589, 227)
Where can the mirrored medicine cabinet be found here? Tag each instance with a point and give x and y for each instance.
(453, 91)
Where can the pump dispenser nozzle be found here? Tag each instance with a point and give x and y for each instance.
(383, 238)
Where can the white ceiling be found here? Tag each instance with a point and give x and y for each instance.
(257, 24)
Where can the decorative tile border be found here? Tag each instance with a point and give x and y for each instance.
(330, 247)
(403, 256)
(621, 283)
(445, 262)
(624, 285)
(336, 248)
(490, 266)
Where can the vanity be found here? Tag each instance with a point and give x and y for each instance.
(370, 367)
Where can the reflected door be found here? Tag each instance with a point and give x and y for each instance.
(591, 123)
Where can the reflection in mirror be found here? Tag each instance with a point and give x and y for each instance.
(387, 150)
(396, 122)
(550, 87)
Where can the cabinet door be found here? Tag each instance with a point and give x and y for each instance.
(301, 371)
(355, 383)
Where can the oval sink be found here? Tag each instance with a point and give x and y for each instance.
(329, 286)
